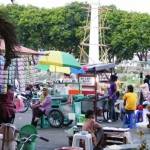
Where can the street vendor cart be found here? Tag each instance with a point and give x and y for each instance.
(96, 76)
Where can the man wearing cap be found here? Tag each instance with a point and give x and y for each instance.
(41, 108)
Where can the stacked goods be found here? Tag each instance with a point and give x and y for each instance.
(11, 72)
(24, 71)
(21, 64)
(3, 76)
(17, 72)
(20, 70)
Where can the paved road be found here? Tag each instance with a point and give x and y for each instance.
(58, 137)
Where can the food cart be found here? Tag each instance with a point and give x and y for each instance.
(95, 74)
(84, 95)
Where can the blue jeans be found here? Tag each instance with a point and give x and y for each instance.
(129, 119)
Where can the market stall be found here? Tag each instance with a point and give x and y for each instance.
(20, 70)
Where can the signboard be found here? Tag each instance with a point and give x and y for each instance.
(87, 81)
(64, 88)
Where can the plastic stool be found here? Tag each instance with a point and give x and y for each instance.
(129, 120)
(86, 137)
(44, 122)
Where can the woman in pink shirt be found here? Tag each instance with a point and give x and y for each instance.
(41, 108)
(94, 128)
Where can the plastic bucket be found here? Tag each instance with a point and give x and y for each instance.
(29, 146)
(26, 131)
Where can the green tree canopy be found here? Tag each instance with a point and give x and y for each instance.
(62, 29)
(57, 28)
(129, 34)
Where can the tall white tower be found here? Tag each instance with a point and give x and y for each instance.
(94, 33)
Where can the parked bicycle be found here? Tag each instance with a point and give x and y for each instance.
(23, 142)
(26, 140)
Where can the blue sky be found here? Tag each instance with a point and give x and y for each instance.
(129, 5)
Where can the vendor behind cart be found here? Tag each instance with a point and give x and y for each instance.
(113, 96)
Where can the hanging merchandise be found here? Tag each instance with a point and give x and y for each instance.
(27, 70)
(11, 72)
(3, 76)
(21, 73)
(30, 69)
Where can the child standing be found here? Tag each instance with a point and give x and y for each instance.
(130, 103)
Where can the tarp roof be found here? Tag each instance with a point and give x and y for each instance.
(19, 49)
(100, 67)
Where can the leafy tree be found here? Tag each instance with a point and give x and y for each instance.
(128, 35)
(57, 28)
(62, 29)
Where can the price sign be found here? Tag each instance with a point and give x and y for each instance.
(89, 81)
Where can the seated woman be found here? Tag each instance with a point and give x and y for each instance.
(41, 108)
(94, 128)
(7, 106)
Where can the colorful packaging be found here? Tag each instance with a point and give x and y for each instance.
(3, 76)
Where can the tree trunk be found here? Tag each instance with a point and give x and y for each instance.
(8, 34)
(142, 55)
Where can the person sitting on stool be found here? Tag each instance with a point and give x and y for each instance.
(94, 128)
(41, 108)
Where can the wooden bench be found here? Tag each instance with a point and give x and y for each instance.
(115, 136)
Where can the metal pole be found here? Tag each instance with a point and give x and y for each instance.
(95, 98)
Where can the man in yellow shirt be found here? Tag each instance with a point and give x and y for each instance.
(130, 99)
(130, 103)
